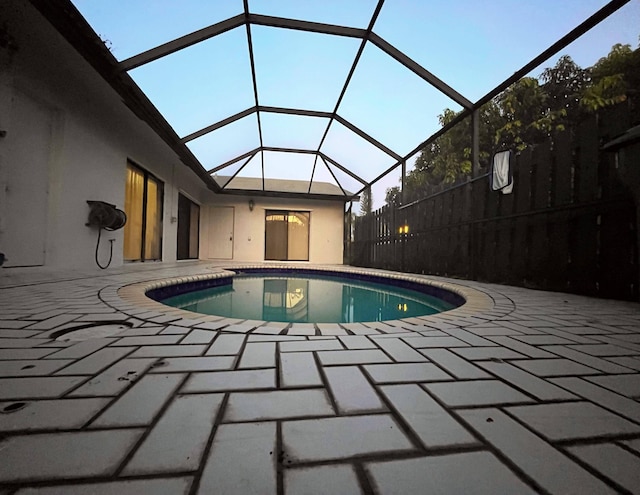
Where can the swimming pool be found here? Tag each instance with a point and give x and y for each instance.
(308, 296)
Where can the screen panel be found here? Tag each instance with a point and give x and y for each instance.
(226, 143)
(202, 84)
(297, 69)
(145, 24)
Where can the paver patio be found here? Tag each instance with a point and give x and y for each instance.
(518, 391)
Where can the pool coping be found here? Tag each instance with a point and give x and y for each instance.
(131, 299)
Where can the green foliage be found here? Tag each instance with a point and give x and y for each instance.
(524, 112)
(393, 196)
(366, 202)
(609, 90)
(614, 78)
(564, 85)
(447, 157)
(527, 113)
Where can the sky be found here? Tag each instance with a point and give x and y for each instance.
(470, 45)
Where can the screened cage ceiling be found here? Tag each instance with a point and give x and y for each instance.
(332, 94)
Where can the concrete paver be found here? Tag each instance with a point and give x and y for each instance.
(517, 391)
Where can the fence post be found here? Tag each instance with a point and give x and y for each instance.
(468, 214)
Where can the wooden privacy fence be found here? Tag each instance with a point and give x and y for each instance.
(569, 225)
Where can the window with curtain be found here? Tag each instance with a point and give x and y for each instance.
(287, 235)
(143, 206)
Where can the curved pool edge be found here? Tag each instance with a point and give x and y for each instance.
(132, 299)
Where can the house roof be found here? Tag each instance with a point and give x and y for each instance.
(329, 100)
(281, 185)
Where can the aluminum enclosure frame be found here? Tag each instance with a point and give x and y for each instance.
(64, 16)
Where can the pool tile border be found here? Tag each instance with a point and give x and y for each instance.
(132, 299)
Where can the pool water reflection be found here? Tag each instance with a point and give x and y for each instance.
(308, 299)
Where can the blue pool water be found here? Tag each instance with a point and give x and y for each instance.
(308, 299)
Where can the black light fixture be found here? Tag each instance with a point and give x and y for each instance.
(251, 204)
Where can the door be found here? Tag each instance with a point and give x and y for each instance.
(143, 206)
(24, 182)
(286, 235)
(220, 232)
(188, 228)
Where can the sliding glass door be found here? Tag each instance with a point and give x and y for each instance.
(188, 228)
(287, 235)
(143, 206)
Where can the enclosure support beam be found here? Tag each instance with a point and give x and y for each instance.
(291, 111)
(368, 138)
(300, 25)
(563, 42)
(420, 71)
(574, 34)
(344, 169)
(232, 161)
(364, 37)
(403, 181)
(237, 172)
(218, 125)
(182, 42)
(475, 143)
(254, 80)
(332, 175)
(295, 111)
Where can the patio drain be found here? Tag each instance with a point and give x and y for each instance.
(13, 407)
(93, 330)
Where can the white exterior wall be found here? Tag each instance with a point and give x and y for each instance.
(91, 134)
(325, 228)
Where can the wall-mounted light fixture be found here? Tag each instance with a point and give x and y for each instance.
(403, 229)
(251, 204)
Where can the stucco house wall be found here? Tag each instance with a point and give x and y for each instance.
(325, 227)
(66, 137)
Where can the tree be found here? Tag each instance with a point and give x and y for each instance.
(529, 112)
(393, 196)
(564, 85)
(614, 78)
(527, 118)
(366, 202)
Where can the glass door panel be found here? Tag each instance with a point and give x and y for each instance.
(143, 206)
(188, 228)
(153, 232)
(276, 235)
(194, 231)
(298, 231)
(133, 206)
(287, 235)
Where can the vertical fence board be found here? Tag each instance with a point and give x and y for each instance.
(523, 188)
(502, 251)
(539, 251)
(583, 245)
(562, 188)
(617, 257)
(587, 160)
(569, 224)
(541, 187)
(558, 263)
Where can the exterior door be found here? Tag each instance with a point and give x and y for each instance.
(24, 182)
(188, 228)
(220, 232)
(143, 206)
(287, 235)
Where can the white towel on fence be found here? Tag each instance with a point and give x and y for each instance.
(501, 178)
